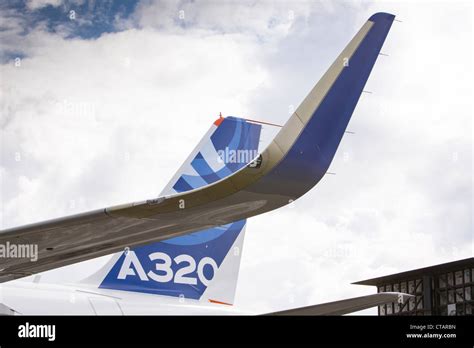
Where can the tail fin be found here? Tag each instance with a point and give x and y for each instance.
(230, 144)
(202, 265)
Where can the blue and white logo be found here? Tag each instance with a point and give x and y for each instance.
(182, 266)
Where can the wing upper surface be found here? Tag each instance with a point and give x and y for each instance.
(291, 165)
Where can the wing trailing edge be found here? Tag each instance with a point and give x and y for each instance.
(349, 305)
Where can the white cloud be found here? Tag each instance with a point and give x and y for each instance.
(38, 4)
(266, 20)
(142, 94)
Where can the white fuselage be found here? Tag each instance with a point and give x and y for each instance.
(31, 298)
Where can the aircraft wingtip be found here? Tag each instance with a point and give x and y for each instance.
(381, 16)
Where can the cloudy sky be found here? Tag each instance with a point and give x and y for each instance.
(101, 102)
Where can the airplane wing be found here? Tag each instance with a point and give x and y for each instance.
(291, 165)
(348, 305)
